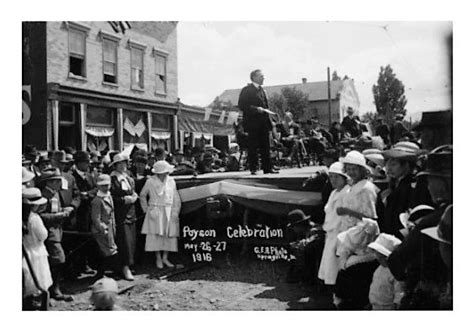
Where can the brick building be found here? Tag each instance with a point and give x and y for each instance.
(343, 95)
(100, 85)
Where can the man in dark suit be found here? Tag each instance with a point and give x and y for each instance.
(256, 122)
(350, 124)
(86, 184)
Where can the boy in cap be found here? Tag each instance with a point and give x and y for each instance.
(103, 225)
(385, 291)
(53, 216)
(104, 294)
(305, 245)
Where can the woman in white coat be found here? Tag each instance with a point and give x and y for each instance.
(160, 200)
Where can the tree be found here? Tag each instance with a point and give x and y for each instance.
(218, 104)
(277, 103)
(389, 94)
(335, 76)
(290, 99)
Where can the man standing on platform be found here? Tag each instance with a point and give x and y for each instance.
(256, 122)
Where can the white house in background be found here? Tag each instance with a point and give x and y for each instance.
(343, 95)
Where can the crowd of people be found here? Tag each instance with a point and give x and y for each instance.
(387, 222)
(126, 206)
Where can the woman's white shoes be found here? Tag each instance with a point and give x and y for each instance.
(127, 274)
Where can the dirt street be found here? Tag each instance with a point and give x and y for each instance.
(222, 285)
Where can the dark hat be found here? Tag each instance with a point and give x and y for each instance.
(439, 162)
(444, 231)
(297, 216)
(435, 119)
(50, 174)
(140, 159)
(364, 142)
(82, 156)
(43, 159)
(140, 155)
(60, 156)
(30, 150)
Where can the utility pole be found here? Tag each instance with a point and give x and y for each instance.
(329, 97)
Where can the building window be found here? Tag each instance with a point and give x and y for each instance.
(161, 122)
(137, 68)
(110, 60)
(160, 74)
(67, 113)
(97, 116)
(77, 53)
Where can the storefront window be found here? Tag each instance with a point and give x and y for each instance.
(98, 116)
(161, 122)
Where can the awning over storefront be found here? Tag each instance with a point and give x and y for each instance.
(160, 135)
(100, 131)
(191, 124)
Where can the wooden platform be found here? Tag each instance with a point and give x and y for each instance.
(289, 179)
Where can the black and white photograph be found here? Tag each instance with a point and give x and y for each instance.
(236, 165)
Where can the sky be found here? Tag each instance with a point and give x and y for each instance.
(215, 56)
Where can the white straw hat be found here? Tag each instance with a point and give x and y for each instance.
(119, 158)
(374, 155)
(385, 244)
(32, 196)
(337, 168)
(26, 175)
(162, 167)
(355, 157)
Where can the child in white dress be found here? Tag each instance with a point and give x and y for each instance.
(161, 224)
(385, 291)
(333, 224)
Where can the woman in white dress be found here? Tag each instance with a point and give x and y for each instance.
(355, 274)
(329, 265)
(34, 235)
(160, 200)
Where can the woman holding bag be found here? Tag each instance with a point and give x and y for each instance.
(160, 199)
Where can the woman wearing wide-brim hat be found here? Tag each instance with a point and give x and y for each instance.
(124, 197)
(353, 280)
(34, 235)
(402, 192)
(160, 200)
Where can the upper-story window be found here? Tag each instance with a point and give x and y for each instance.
(110, 61)
(77, 34)
(137, 53)
(137, 68)
(160, 72)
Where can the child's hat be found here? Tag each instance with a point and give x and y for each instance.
(103, 179)
(105, 285)
(338, 168)
(385, 244)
